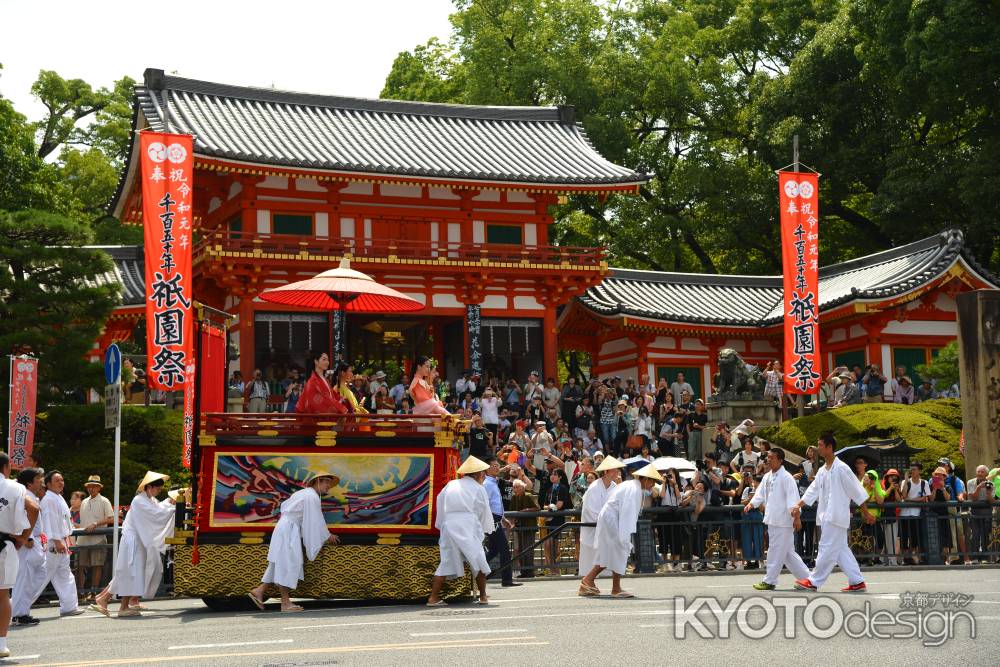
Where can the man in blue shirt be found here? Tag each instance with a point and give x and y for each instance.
(496, 542)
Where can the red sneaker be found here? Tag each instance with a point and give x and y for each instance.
(804, 585)
(855, 588)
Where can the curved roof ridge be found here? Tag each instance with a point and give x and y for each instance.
(156, 80)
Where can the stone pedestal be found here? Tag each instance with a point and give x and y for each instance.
(234, 405)
(979, 372)
(763, 413)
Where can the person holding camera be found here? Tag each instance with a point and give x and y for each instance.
(668, 495)
(874, 383)
(981, 492)
(890, 524)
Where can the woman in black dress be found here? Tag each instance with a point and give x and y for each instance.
(557, 498)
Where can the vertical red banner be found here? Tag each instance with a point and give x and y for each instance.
(799, 197)
(167, 192)
(23, 391)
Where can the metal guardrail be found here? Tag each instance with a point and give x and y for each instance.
(724, 537)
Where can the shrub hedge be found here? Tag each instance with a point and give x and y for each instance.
(934, 426)
(72, 439)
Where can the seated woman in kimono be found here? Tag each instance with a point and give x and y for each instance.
(318, 396)
(425, 402)
(301, 524)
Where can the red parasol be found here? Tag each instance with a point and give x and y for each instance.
(342, 289)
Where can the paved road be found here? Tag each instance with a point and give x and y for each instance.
(541, 622)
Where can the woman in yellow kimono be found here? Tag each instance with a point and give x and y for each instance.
(344, 375)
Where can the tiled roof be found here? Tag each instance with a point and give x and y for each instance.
(537, 145)
(129, 271)
(757, 300)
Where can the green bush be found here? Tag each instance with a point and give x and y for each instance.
(72, 439)
(934, 426)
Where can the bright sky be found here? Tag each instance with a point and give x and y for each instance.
(339, 47)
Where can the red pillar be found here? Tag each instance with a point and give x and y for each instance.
(550, 343)
(246, 338)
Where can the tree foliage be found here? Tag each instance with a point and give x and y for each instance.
(50, 303)
(895, 103)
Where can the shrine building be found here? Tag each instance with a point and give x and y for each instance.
(892, 308)
(451, 205)
(448, 204)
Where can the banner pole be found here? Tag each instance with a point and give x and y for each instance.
(10, 408)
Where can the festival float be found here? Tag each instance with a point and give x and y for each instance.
(390, 470)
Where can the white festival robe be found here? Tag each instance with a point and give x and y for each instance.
(779, 493)
(301, 524)
(58, 525)
(834, 488)
(145, 530)
(593, 502)
(13, 521)
(32, 577)
(463, 517)
(615, 525)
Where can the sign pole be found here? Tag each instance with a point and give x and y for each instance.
(118, 475)
(113, 411)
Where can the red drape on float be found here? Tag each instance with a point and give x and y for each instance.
(799, 196)
(23, 391)
(213, 369)
(167, 191)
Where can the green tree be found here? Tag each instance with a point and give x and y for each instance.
(943, 369)
(895, 103)
(53, 302)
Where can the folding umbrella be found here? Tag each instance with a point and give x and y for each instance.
(869, 454)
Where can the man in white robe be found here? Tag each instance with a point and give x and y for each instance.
(32, 577)
(18, 513)
(463, 518)
(835, 487)
(301, 524)
(593, 502)
(615, 525)
(139, 568)
(778, 493)
(58, 526)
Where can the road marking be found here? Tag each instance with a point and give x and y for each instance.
(563, 597)
(464, 632)
(13, 660)
(466, 619)
(484, 642)
(890, 583)
(266, 641)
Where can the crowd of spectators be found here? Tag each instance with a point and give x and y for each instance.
(851, 386)
(549, 440)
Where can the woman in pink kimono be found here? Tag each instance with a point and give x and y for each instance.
(421, 389)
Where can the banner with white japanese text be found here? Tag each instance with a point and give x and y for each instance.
(23, 391)
(167, 180)
(799, 196)
(167, 193)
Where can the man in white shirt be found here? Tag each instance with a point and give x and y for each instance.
(532, 387)
(778, 493)
(95, 512)
(58, 526)
(835, 487)
(679, 386)
(18, 514)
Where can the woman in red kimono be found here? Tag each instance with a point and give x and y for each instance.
(318, 396)
(422, 391)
